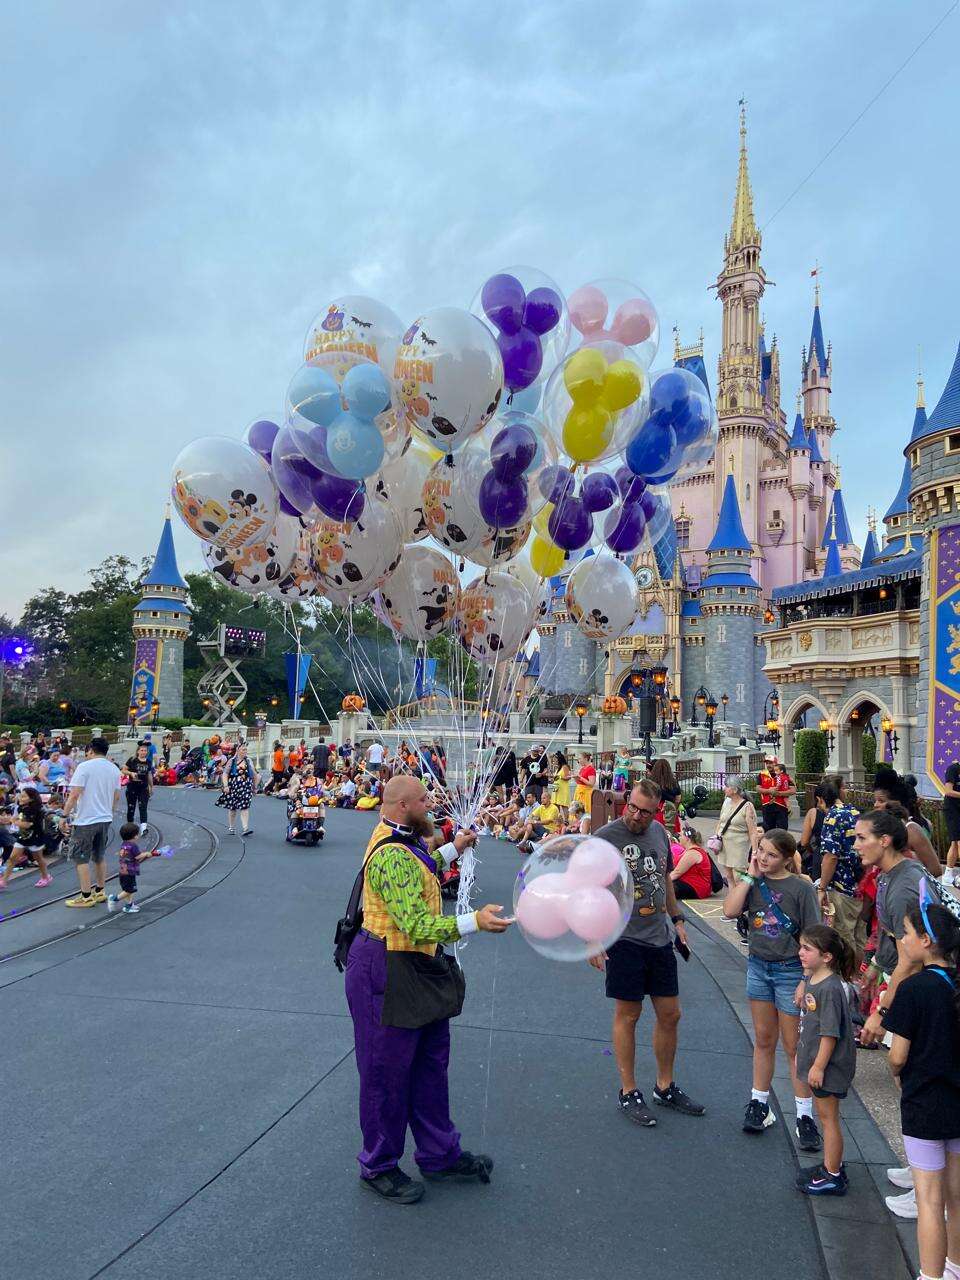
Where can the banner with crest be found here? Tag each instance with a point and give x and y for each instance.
(943, 732)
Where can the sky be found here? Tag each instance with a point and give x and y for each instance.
(188, 185)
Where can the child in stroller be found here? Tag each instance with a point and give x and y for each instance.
(305, 814)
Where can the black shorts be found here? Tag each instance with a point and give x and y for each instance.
(635, 971)
(827, 1093)
(128, 884)
(775, 817)
(951, 818)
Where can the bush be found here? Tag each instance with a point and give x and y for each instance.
(14, 730)
(868, 753)
(810, 748)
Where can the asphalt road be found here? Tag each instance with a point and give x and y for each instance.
(184, 1103)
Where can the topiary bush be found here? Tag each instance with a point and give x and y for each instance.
(868, 753)
(810, 751)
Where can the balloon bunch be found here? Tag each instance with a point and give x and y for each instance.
(521, 319)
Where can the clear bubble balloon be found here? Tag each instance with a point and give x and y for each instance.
(499, 546)
(594, 401)
(356, 558)
(401, 484)
(573, 897)
(495, 616)
(602, 596)
(264, 564)
(420, 598)
(299, 582)
(618, 310)
(355, 325)
(224, 492)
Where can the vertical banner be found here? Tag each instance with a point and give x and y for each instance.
(147, 657)
(424, 677)
(943, 727)
(296, 679)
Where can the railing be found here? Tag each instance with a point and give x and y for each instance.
(432, 705)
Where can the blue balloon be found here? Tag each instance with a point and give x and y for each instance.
(679, 398)
(366, 391)
(355, 447)
(314, 394)
(599, 491)
(650, 448)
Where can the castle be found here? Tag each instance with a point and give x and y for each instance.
(762, 515)
(161, 623)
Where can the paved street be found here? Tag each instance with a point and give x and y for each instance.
(185, 1100)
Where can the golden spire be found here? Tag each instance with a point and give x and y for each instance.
(836, 472)
(833, 524)
(799, 400)
(730, 459)
(920, 402)
(743, 229)
(676, 343)
(871, 520)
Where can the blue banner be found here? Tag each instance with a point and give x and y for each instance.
(296, 679)
(424, 677)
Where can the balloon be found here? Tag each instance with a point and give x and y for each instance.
(314, 394)
(337, 498)
(563, 908)
(355, 447)
(541, 520)
(401, 484)
(556, 482)
(526, 311)
(499, 546)
(494, 618)
(356, 325)
(224, 492)
(631, 486)
(254, 568)
(624, 529)
(450, 376)
(526, 400)
(451, 516)
(357, 557)
(503, 503)
(260, 436)
(299, 582)
(595, 862)
(599, 492)
(512, 450)
(594, 401)
(650, 448)
(294, 474)
(602, 596)
(546, 558)
(540, 906)
(592, 913)
(619, 311)
(570, 525)
(421, 596)
(679, 398)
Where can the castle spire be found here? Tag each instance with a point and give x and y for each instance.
(743, 228)
(921, 403)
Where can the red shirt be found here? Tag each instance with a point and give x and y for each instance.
(587, 775)
(697, 876)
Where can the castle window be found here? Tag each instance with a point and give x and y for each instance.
(154, 613)
(915, 458)
(952, 444)
(748, 493)
(776, 514)
(741, 591)
(683, 533)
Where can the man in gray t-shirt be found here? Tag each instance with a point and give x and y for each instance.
(643, 962)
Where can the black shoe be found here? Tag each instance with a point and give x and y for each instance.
(758, 1117)
(633, 1105)
(808, 1135)
(819, 1170)
(673, 1096)
(395, 1186)
(466, 1168)
(248, 832)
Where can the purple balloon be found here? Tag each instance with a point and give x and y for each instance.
(599, 491)
(542, 310)
(522, 358)
(337, 498)
(570, 525)
(261, 435)
(503, 503)
(286, 507)
(502, 298)
(648, 504)
(294, 476)
(313, 445)
(631, 486)
(512, 451)
(623, 530)
(555, 483)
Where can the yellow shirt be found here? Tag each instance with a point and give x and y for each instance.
(548, 815)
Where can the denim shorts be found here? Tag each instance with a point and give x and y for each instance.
(774, 982)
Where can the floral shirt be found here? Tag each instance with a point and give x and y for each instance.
(836, 839)
(129, 858)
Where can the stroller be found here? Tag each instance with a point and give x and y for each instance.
(305, 818)
(449, 875)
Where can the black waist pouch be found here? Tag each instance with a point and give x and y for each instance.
(421, 989)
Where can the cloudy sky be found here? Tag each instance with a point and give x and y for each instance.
(187, 185)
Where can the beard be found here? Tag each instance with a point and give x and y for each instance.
(422, 827)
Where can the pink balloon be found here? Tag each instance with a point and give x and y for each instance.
(594, 862)
(540, 908)
(633, 322)
(593, 913)
(676, 849)
(588, 308)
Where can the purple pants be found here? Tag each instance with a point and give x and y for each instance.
(403, 1074)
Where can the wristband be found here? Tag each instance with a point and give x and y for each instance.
(747, 879)
(678, 919)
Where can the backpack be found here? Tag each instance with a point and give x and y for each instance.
(351, 922)
(717, 881)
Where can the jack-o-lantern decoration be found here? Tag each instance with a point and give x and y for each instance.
(352, 702)
(614, 706)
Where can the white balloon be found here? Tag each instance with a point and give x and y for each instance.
(299, 582)
(421, 596)
(401, 484)
(449, 376)
(499, 546)
(450, 512)
(362, 326)
(224, 492)
(357, 557)
(257, 567)
(495, 616)
(602, 596)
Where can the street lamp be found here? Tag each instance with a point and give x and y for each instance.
(827, 728)
(699, 700)
(155, 709)
(675, 708)
(724, 698)
(64, 706)
(580, 709)
(274, 701)
(132, 712)
(893, 738)
(711, 712)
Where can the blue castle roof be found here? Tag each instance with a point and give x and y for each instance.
(919, 422)
(908, 566)
(695, 365)
(870, 550)
(832, 568)
(799, 438)
(946, 415)
(844, 536)
(165, 572)
(730, 535)
(900, 506)
(817, 348)
(815, 454)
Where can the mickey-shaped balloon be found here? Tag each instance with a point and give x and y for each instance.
(599, 391)
(354, 444)
(521, 320)
(633, 322)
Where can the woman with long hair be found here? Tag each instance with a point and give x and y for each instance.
(238, 782)
(31, 838)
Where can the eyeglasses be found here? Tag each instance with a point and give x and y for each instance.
(649, 813)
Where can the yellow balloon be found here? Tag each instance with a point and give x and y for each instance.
(621, 386)
(583, 374)
(587, 432)
(542, 517)
(546, 558)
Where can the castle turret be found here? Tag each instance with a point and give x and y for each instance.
(730, 605)
(838, 530)
(870, 548)
(899, 524)
(161, 623)
(817, 372)
(832, 567)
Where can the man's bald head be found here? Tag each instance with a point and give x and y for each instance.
(402, 790)
(405, 801)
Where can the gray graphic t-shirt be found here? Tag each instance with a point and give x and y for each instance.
(898, 891)
(826, 1012)
(648, 857)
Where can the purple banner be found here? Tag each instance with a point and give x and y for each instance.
(943, 736)
(146, 677)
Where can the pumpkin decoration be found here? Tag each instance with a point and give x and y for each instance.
(352, 702)
(614, 706)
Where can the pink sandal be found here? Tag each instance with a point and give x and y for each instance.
(43, 882)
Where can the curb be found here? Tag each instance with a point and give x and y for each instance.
(857, 1234)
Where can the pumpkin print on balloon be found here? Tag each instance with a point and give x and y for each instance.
(356, 558)
(224, 492)
(495, 615)
(257, 567)
(299, 582)
(420, 598)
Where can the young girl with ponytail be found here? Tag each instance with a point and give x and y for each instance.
(826, 1054)
(924, 1018)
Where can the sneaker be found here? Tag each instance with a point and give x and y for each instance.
(81, 901)
(130, 909)
(822, 1183)
(99, 895)
(901, 1177)
(466, 1168)
(757, 1117)
(806, 1174)
(43, 882)
(395, 1186)
(248, 832)
(808, 1135)
(143, 828)
(904, 1206)
(633, 1105)
(673, 1096)
(112, 901)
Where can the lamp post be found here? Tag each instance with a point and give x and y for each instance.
(699, 700)
(580, 709)
(724, 698)
(827, 728)
(892, 737)
(155, 710)
(711, 710)
(675, 708)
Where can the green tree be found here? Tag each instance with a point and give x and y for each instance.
(810, 747)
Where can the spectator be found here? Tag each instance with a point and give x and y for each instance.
(151, 748)
(278, 771)
(691, 865)
(810, 836)
(506, 777)
(130, 859)
(662, 774)
(545, 820)
(536, 764)
(26, 766)
(606, 771)
(166, 746)
(52, 774)
(561, 785)
(31, 838)
(93, 796)
(893, 793)
(139, 784)
(840, 870)
(951, 817)
(346, 792)
(374, 755)
(776, 788)
(586, 780)
(737, 831)
(238, 781)
(321, 758)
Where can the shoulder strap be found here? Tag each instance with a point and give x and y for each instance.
(783, 920)
(351, 922)
(723, 829)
